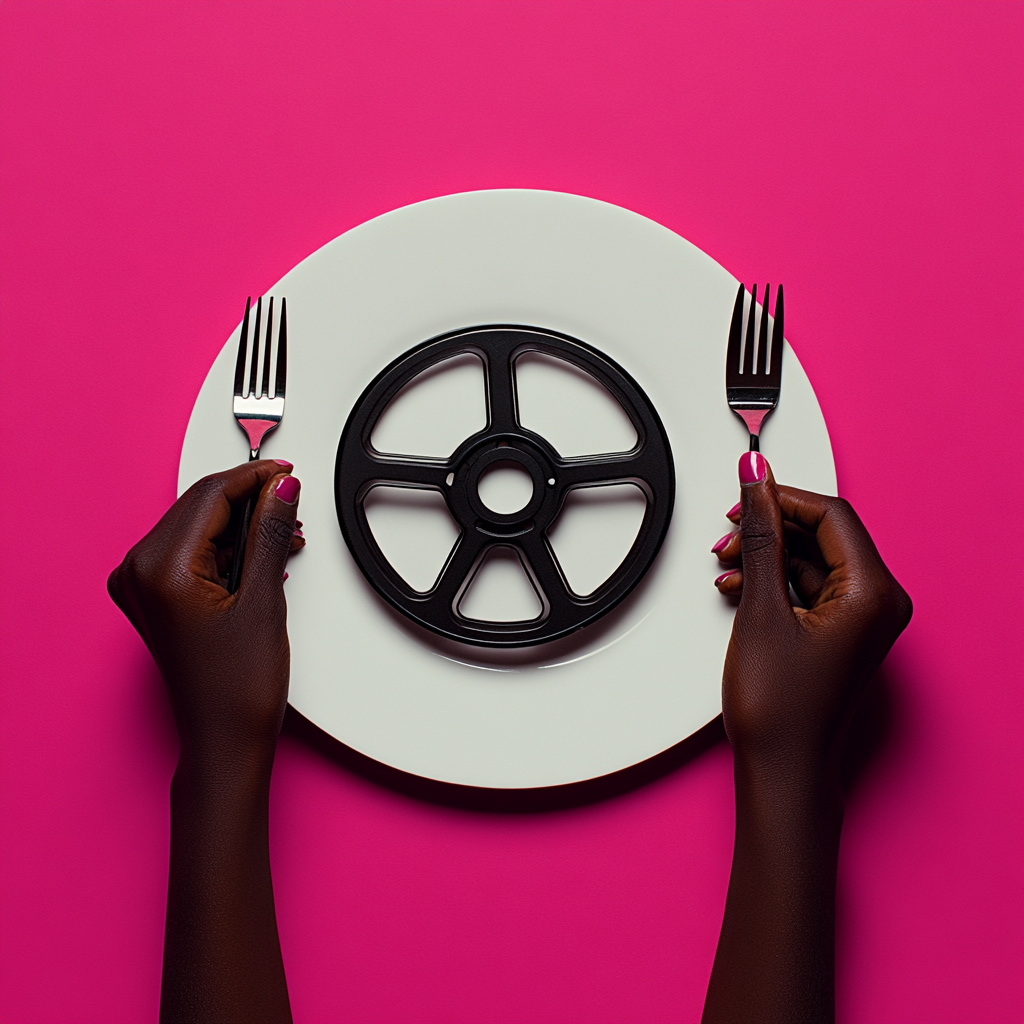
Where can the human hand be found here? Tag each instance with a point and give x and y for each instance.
(794, 675)
(224, 657)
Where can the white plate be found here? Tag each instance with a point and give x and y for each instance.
(648, 674)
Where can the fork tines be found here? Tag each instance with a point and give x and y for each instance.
(256, 410)
(280, 371)
(753, 374)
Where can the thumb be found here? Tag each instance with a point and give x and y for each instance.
(762, 543)
(270, 535)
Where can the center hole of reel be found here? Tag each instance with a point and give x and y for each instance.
(505, 487)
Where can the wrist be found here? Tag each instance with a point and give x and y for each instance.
(795, 788)
(207, 773)
(806, 760)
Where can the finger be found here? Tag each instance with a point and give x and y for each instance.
(240, 483)
(762, 543)
(803, 545)
(808, 580)
(203, 512)
(271, 533)
(224, 553)
(727, 548)
(730, 583)
(840, 535)
(733, 515)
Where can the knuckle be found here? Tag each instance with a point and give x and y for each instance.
(903, 606)
(277, 532)
(882, 599)
(143, 572)
(871, 602)
(840, 509)
(138, 567)
(115, 584)
(756, 541)
(134, 579)
(204, 488)
(131, 570)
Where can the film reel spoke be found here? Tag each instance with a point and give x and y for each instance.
(410, 473)
(365, 468)
(457, 573)
(501, 391)
(560, 605)
(601, 470)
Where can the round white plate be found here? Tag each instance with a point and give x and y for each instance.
(647, 675)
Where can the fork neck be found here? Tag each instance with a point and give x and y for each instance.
(257, 429)
(753, 419)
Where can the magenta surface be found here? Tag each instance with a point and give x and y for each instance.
(162, 161)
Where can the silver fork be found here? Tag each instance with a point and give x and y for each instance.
(752, 388)
(256, 411)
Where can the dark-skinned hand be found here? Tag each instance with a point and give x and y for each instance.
(223, 656)
(795, 673)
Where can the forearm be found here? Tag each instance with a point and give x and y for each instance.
(222, 957)
(776, 954)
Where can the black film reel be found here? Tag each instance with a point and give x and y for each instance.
(359, 468)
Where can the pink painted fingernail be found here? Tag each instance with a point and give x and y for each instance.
(288, 490)
(719, 544)
(753, 468)
(724, 577)
(298, 533)
(733, 511)
(284, 577)
(283, 462)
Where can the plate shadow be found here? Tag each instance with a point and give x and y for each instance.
(504, 801)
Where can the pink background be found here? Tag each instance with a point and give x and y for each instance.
(162, 161)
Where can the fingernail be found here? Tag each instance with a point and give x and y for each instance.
(734, 511)
(753, 468)
(283, 462)
(719, 544)
(284, 577)
(724, 577)
(288, 490)
(298, 524)
(297, 533)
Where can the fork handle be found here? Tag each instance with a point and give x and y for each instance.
(238, 557)
(755, 443)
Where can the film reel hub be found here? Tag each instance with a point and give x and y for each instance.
(468, 506)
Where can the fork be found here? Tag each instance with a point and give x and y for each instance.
(752, 389)
(256, 411)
